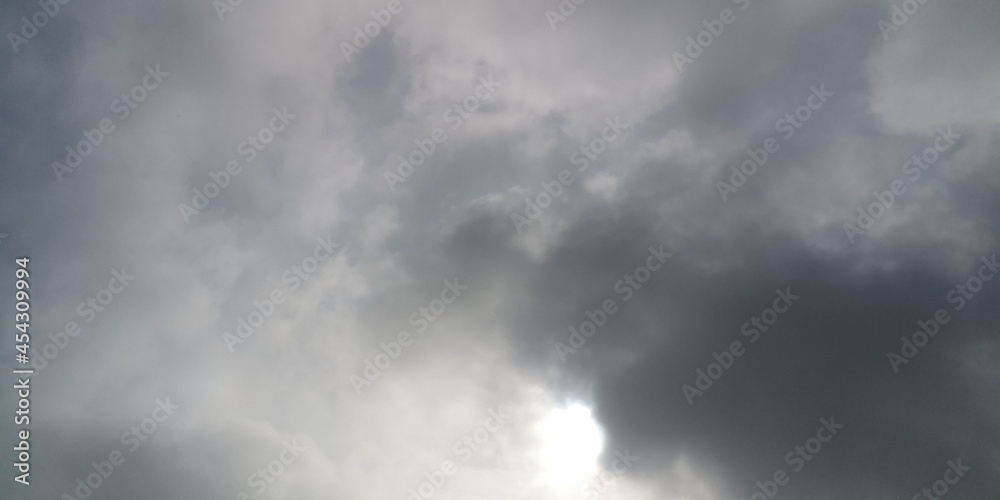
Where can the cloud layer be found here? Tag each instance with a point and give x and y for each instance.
(356, 230)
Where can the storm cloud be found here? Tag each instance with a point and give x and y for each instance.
(395, 249)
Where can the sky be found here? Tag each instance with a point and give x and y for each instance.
(565, 249)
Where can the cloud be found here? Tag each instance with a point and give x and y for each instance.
(495, 345)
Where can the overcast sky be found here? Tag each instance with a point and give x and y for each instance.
(503, 250)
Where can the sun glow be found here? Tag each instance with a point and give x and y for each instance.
(572, 443)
